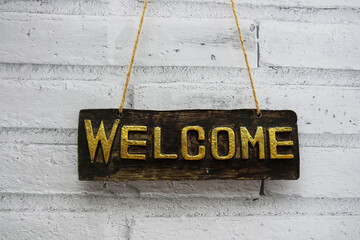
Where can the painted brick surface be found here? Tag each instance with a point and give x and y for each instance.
(314, 45)
(312, 11)
(248, 228)
(64, 225)
(57, 57)
(97, 40)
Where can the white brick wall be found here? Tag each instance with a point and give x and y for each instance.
(57, 57)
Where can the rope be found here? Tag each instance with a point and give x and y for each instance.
(137, 41)
(246, 58)
(132, 58)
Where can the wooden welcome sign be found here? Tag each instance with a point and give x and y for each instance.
(187, 145)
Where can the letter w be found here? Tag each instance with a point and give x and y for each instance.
(106, 144)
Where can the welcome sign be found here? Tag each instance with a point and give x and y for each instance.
(187, 145)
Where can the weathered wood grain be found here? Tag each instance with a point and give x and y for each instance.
(172, 122)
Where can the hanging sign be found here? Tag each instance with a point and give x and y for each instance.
(187, 145)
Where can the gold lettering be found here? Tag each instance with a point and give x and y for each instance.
(157, 146)
(184, 143)
(246, 139)
(106, 144)
(214, 143)
(125, 142)
(274, 143)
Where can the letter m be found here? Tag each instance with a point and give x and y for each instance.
(106, 144)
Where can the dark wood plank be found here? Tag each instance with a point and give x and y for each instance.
(172, 123)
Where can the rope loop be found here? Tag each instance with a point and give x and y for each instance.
(246, 58)
(132, 58)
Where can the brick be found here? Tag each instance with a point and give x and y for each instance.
(323, 172)
(267, 76)
(67, 7)
(330, 140)
(303, 11)
(297, 3)
(98, 40)
(247, 228)
(32, 103)
(32, 38)
(40, 136)
(309, 45)
(174, 205)
(61, 225)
